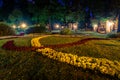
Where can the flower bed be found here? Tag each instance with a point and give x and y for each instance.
(102, 65)
(9, 45)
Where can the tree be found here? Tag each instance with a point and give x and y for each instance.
(6, 30)
(116, 7)
(16, 16)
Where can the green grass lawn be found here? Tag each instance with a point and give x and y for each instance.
(109, 49)
(32, 65)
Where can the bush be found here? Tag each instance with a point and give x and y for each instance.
(36, 29)
(66, 31)
(6, 30)
(114, 35)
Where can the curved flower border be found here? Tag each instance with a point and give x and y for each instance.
(103, 65)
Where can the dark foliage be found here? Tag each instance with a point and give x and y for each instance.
(66, 31)
(6, 30)
(114, 35)
(36, 29)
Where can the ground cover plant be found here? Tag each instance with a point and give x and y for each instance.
(33, 65)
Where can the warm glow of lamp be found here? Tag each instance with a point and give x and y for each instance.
(23, 25)
(57, 26)
(109, 25)
(75, 27)
(62, 27)
(95, 26)
(14, 26)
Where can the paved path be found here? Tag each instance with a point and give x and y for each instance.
(9, 37)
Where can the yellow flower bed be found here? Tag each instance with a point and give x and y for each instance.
(35, 41)
(103, 65)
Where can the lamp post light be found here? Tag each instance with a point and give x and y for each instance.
(23, 26)
(14, 26)
(56, 26)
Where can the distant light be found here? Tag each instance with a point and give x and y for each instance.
(18, 27)
(109, 25)
(95, 26)
(62, 27)
(57, 26)
(23, 25)
(75, 26)
(14, 26)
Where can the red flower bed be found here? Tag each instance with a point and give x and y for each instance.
(75, 43)
(9, 45)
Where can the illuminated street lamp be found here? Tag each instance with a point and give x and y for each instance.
(56, 26)
(14, 26)
(23, 25)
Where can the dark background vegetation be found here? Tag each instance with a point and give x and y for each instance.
(64, 11)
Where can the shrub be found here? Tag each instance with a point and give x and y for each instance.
(66, 31)
(36, 29)
(6, 30)
(113, 35)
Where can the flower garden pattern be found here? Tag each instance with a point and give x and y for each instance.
(102, 65)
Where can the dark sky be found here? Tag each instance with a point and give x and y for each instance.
(1, 3)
